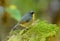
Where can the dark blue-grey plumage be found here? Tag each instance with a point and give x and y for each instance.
(27, 17)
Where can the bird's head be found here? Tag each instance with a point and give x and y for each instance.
(31, 12)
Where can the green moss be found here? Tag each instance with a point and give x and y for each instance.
(37, 32)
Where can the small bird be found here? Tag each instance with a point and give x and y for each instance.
(25, 19)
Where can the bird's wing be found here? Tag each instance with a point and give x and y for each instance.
(26, 18)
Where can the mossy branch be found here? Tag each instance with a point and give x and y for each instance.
(36, 32)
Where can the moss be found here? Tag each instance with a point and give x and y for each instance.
(37, 32)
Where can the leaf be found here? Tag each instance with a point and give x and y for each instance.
(14, 12)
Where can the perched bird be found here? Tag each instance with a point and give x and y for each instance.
(25, 19)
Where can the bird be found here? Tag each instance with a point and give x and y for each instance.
(25, 18)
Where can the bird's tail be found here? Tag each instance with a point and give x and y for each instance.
(15, 26)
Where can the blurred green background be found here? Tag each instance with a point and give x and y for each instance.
(13, 10)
